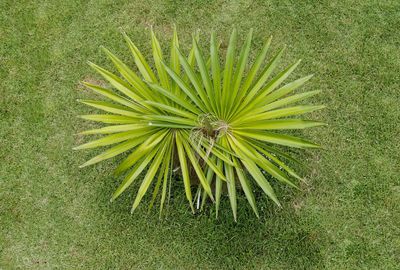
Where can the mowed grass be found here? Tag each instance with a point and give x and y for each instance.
(55, 215)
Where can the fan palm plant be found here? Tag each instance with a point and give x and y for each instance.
(216, 122)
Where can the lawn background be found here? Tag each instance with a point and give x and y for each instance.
(54, 215)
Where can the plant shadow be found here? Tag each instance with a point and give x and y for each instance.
(281, 238)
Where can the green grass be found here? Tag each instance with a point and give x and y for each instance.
(54, 215)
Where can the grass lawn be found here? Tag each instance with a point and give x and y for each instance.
(55, 215)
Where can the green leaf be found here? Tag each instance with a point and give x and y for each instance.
(195, 81)
(109, 118)
(192, 58)
(115, 81)
(228, 71)
(134, 173)
(286, 101)
(113, 151)
(171, 119)
(114, 129)
(255, 173)
(246, 187)
(277, 152)
(167, 125)
(280, 124)
(184, 169)
(204, 74)
(157, 187)
(209, 176)
(110, 107)
(263, 163)
(231, 184)
(215, 70)
(237, 78)
(254, 90)
(168, 160)
(173, 110)
(115, 138)
(189, 106)
(218, 188)
(275, 82)
(140, 61)
(290, 111)
(114, 97)
(252, 73)
(278, 139)
(205, 157)
(278, 162)
(139, 87)
(286, 89)
(151, 142)
(174, 61)
(219, 151)
(158, 59)
(185, 88)
(151, 172)
(197, 168)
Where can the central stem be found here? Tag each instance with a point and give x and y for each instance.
(208, 128)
